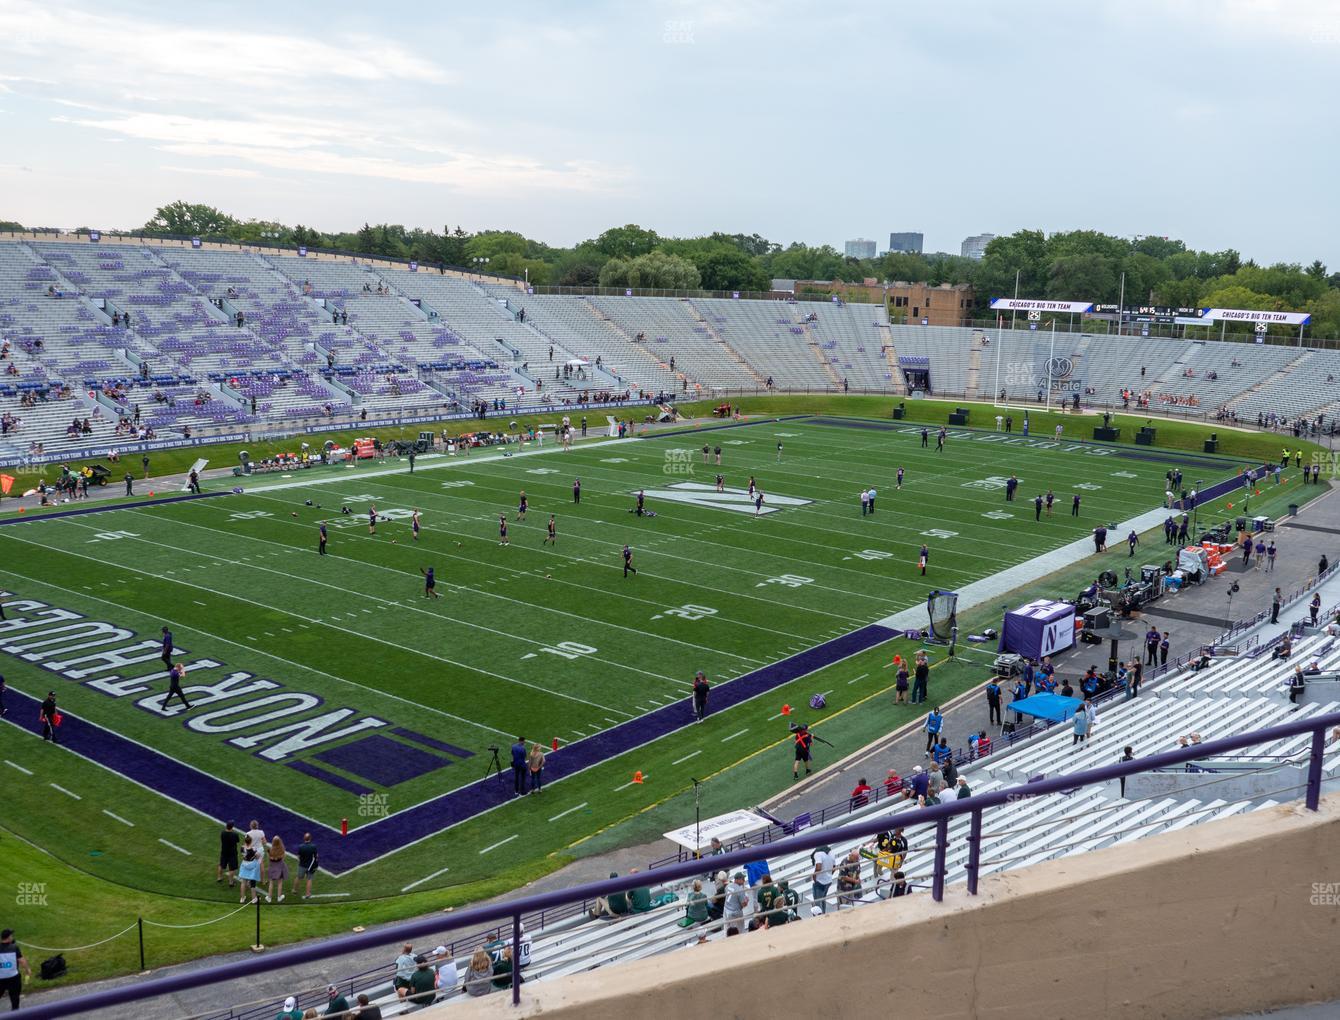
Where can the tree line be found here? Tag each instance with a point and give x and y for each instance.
(1077, 265)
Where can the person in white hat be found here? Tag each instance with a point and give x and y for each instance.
(448, 977)
(291, 1010)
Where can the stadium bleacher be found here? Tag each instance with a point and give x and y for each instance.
(1233, 695)
(220, 338)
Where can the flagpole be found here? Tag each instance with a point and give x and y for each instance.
(1051, 360)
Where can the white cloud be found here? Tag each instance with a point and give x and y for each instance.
(213, 171)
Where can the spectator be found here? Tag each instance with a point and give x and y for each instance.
(448, 977)
(366, 1010)
(963, 790)
(639, 898)
(290, 1010)
(278, 868)
(860, 795)
(737, 898)
(849, 879)
(422, 983)
(535, 763)
(502, 969)
(822, 877)
(404, 970)
(696, 907)
(11, 964)
(716, 903)
(336, 1003)
(479, 975)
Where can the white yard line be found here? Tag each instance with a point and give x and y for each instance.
(421, 881)
(174, 846)
(13, 765)
(563, 814)
(118, 818)
(501, 842)
(739, 733)
(68, 793)
(630, 782)
(680, 761)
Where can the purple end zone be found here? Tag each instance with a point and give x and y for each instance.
(348, 785)
(433, 742)
(216, 799)
(381, 760)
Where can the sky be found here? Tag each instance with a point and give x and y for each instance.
(1212, 121)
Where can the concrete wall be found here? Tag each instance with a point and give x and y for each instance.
(1213, 920)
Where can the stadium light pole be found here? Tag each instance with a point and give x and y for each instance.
(1051, 358)
(1121, 302)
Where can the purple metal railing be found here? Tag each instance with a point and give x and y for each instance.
(939, 815)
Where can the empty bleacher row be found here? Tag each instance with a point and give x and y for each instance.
(1230, 696)
(206, 337)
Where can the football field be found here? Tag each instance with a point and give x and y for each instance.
(330, 689)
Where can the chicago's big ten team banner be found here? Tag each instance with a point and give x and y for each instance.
(1005, 304)
(1244, 315)
(1042, 627)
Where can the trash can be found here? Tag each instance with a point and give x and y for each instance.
(1293, 509)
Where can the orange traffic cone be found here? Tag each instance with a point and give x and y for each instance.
(897, 660)
(1258, 492)
(786, 710)
(555, 747)
(1230, 506)
(637, 777)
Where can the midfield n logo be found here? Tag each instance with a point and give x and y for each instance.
(701, 494)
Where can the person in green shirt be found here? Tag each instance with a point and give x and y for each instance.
(618, 901)
(290, 1010)
(422, 983)
(502, 969)
(783, 902)
(765, 896)
(338, 1003)
(639, 899)
(963, 790)
(695, 910)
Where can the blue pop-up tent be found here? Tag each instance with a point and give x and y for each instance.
(1052, 707)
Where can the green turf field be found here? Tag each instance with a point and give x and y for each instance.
(549, 641)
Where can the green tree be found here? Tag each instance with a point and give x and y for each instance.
(1090, 277)
(626, 242)
(659, 271)
(191, 219)
(729, 268)
(614, 273)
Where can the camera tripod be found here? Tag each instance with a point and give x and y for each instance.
(495, 764)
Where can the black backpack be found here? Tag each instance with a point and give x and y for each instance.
(52, 968)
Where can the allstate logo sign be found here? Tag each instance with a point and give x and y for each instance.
(1060, 368)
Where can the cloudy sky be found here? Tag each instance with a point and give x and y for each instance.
(1209, 120)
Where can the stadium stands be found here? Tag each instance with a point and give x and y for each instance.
(206, 339)
(1231, 696)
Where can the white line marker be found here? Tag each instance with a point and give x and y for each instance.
(679, 761)
(862, 676)
(174, 847)
(421, 881)
(327, 895)
(614, 721)
(569, 811)
(734, 735)
(63, 790)
(626, 785)
(772, 717)
(197, 602)
(118, 818)
(490, 849)
(16, 766)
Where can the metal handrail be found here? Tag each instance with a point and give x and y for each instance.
(940, 815)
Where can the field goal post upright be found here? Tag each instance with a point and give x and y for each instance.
(1034, 308)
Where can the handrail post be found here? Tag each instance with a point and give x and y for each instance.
(1314, 768)
(974, 851)
(516, 959)
(941, 848)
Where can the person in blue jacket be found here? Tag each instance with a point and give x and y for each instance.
(933, 723)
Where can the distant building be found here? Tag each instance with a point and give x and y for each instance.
(975, 247)
(907, 241)
(908, 303)
(861, 248)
